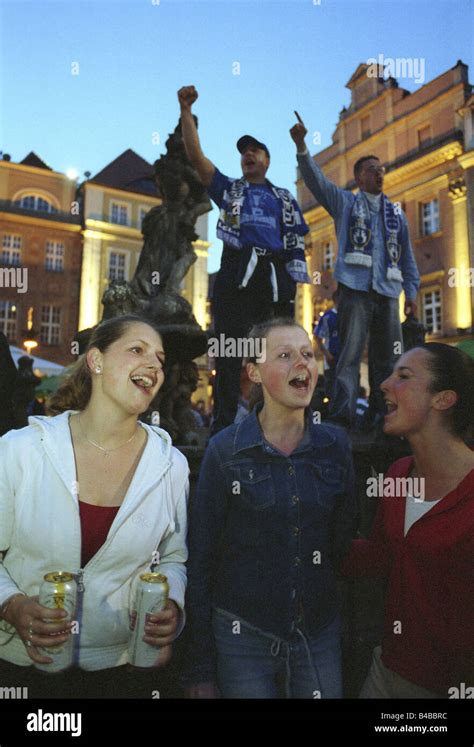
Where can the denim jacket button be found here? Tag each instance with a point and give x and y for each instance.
(297, 561)
(291, 470)
(296, 531)
(295, 499)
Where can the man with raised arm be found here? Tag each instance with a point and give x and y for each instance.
(375, 262)
(262, 229)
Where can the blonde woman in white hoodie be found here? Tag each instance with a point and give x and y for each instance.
(92, 490)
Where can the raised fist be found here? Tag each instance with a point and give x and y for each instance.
(187, 95)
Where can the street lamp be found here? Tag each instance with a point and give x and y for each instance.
(30, 343)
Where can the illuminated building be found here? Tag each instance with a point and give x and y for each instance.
(40, 244)
(115, 201)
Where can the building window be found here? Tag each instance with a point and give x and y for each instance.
(8, 311)
(50, 330)
(35, 202)
(141, 214)
(432, 311)
(365, 127)
(11, 249)
(54, 256)
(117, 266)
(424, 136)
(328, 255)
(430, 217)
(119, 213)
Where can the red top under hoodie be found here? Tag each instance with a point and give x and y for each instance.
(430, 585)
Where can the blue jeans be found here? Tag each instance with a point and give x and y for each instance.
(253, 664)
(361, 313)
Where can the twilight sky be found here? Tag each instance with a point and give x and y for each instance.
(252, 61)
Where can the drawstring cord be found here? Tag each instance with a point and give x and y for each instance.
(275, 650)
(311, 661)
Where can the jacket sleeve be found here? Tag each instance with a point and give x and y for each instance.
(8, 586)
(207, 522)
(373, 556)
(411, 276)
(327, 194)
(344, 522)
(173, 555)
(369, 557)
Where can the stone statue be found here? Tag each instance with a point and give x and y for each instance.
(154, 291)
(168, 229)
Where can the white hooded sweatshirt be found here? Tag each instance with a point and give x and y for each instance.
(40, 530)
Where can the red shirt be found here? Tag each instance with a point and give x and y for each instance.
(430, 585)
(95, 525)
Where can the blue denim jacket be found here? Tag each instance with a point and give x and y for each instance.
(338, 202)
(266, 534)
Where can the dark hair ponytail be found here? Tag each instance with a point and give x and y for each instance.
(453, 369)
(75, 391)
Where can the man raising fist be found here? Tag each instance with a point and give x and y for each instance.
(262, 228)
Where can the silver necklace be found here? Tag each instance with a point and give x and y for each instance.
(98, 446)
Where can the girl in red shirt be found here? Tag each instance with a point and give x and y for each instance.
(423, 536)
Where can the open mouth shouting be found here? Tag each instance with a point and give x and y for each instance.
(301, 383)
(144, 382)
(390, 407)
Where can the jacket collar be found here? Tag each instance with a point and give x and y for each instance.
(249, 434)
(462, 492)
(57, 443)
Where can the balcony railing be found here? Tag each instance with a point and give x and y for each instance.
(8, 206)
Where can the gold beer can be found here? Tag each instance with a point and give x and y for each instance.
(150, 597)
(59, 592)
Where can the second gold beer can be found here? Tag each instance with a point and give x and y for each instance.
(150, 597)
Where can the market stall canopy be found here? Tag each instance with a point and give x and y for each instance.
(41, 367)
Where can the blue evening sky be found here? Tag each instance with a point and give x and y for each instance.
(133, 55)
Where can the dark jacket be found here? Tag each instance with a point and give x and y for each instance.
(266, 534)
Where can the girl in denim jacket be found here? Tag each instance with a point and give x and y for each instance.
(271, 518)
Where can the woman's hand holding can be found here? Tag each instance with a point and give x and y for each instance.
(38, 626)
